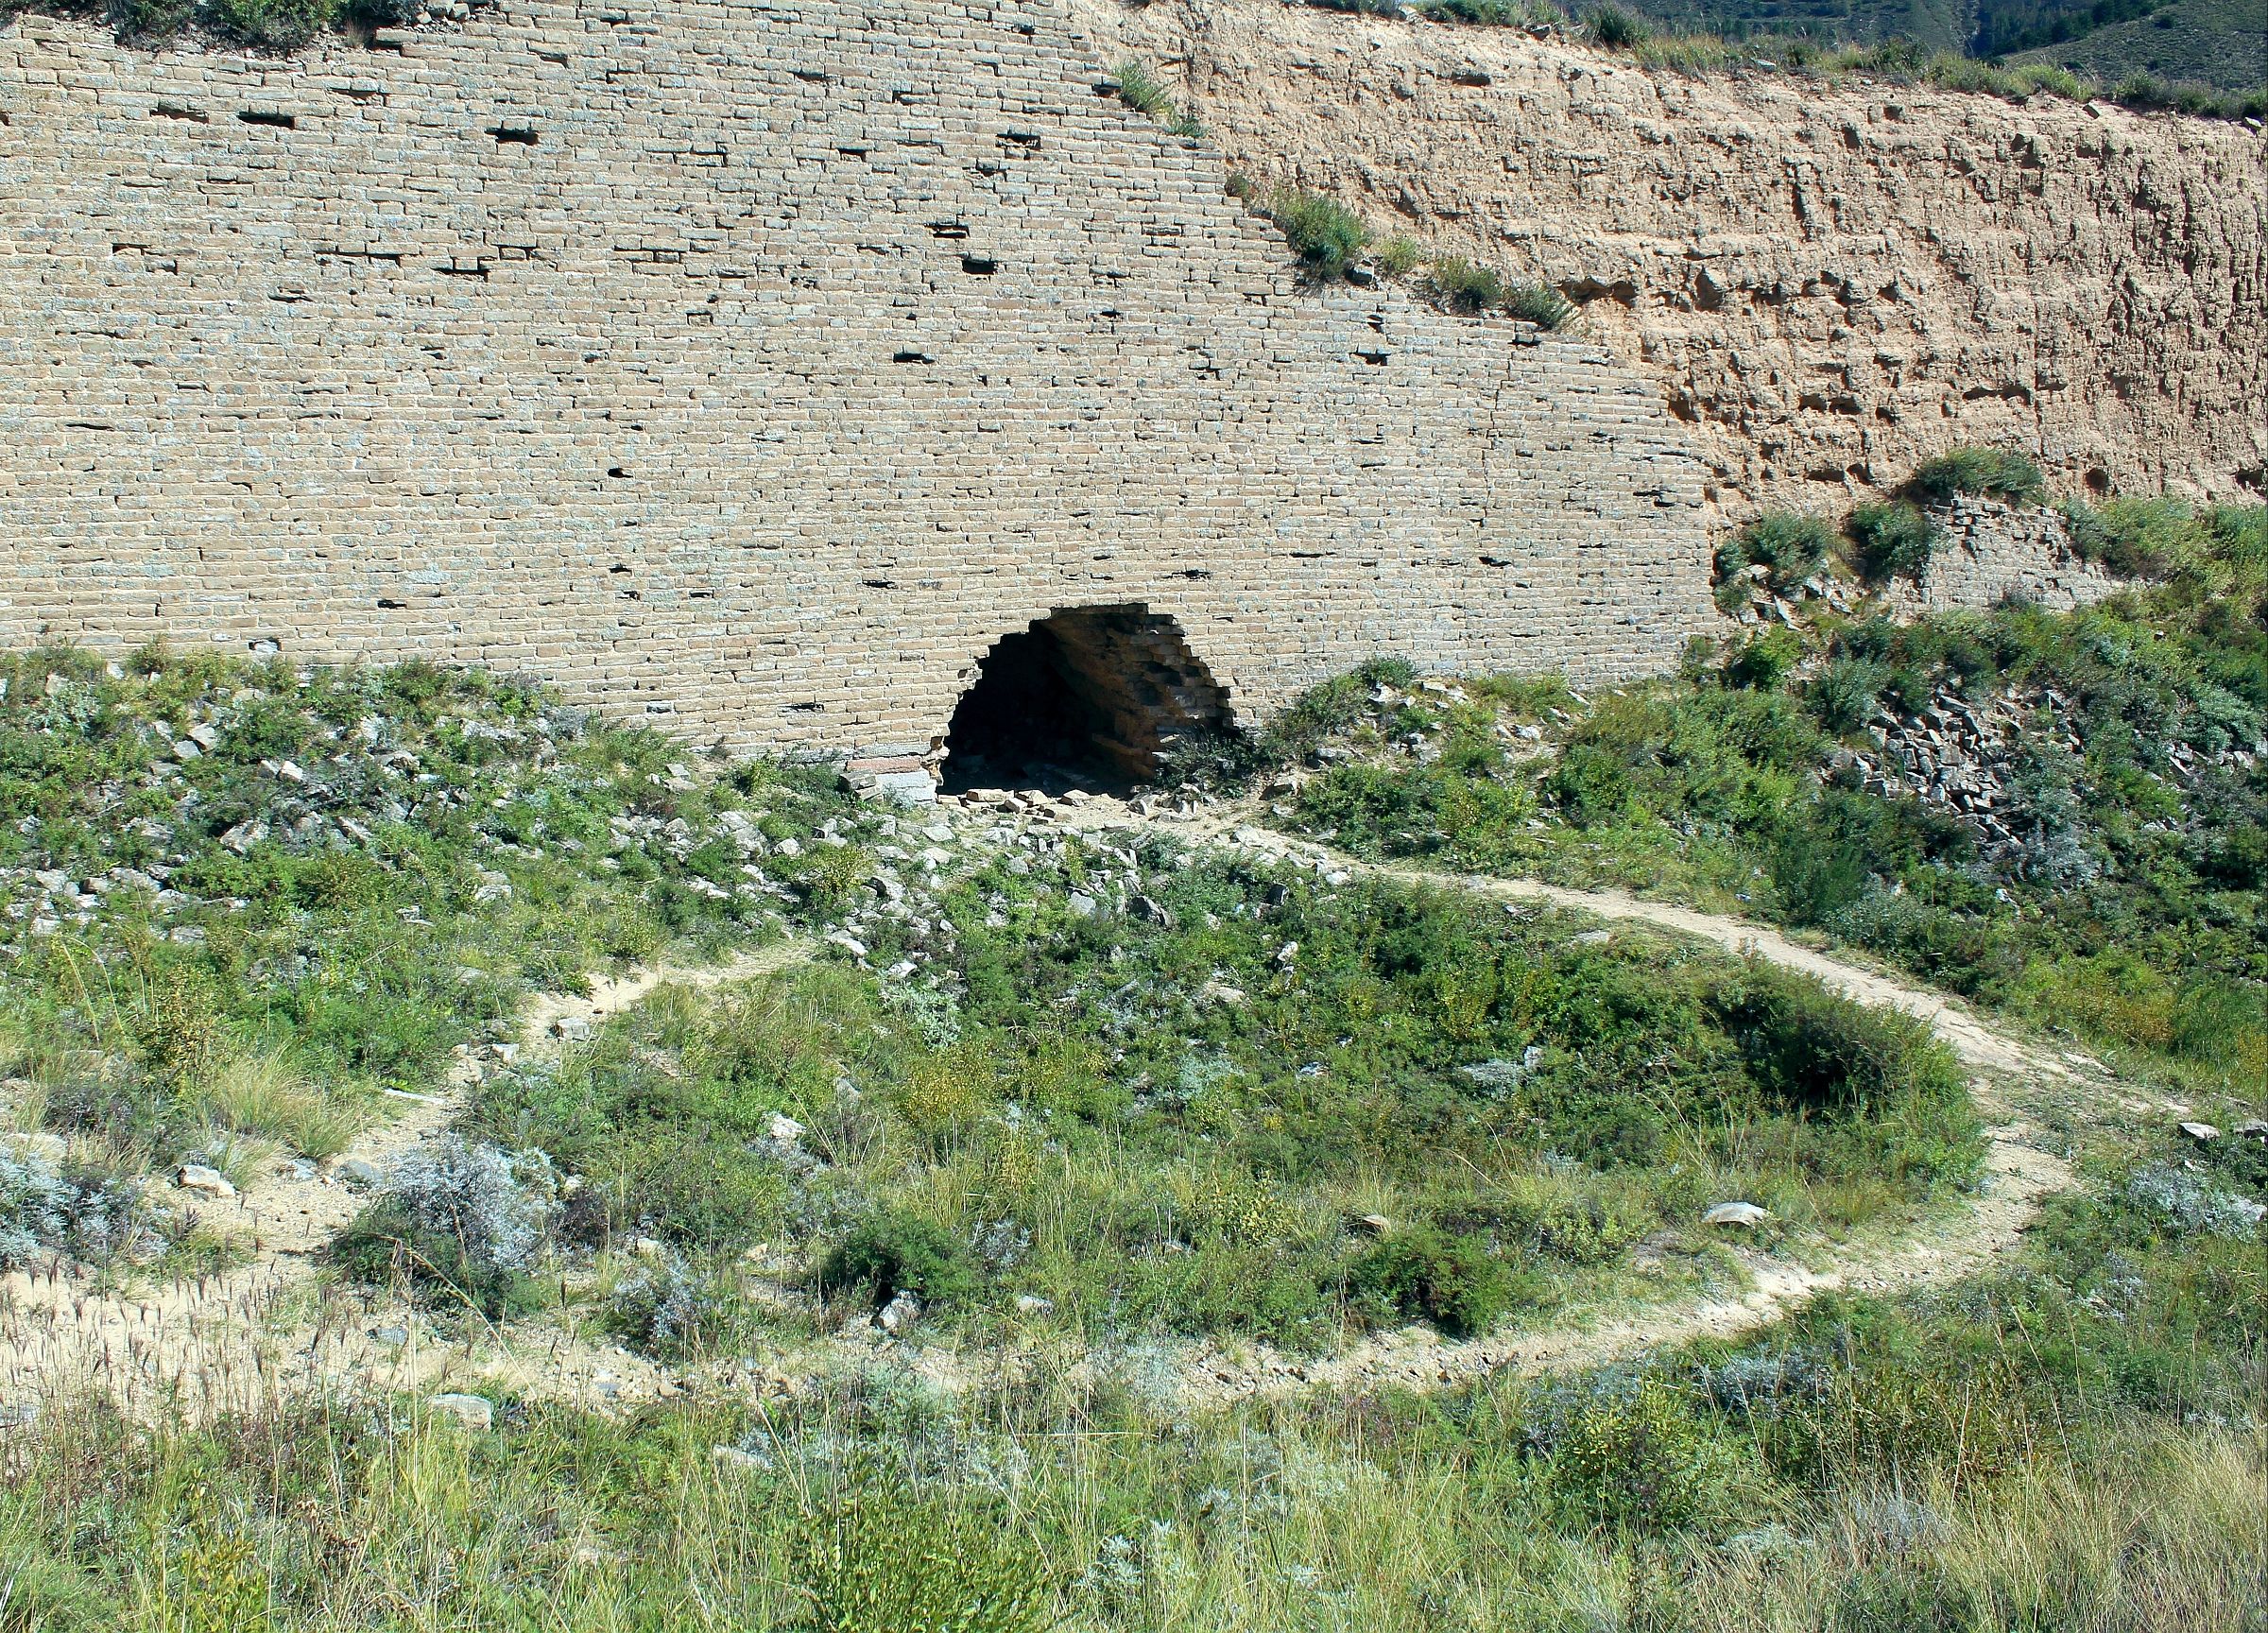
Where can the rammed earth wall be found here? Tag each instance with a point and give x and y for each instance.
(759, 365)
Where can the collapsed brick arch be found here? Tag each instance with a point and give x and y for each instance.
(1087, 695)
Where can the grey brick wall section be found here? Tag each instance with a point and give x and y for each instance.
(703, 403)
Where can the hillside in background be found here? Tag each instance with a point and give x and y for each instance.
(2218, 42)
(2222, 44)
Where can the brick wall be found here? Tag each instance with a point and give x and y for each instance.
(756, 367)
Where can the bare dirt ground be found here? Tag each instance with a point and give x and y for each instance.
(271, 1327)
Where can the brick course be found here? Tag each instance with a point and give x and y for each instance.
(756, 367)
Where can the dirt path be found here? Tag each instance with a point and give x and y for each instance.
(232, 1340)
(2017, 1172)
(240, 1339)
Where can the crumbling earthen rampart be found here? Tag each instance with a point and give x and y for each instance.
(1828, 282)
(760, 365)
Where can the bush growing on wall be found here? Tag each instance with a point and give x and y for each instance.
(1789, 547)
(1892, 541)
(1465, 286)
(1991, 473)
(1539, 304)
(1321, 231)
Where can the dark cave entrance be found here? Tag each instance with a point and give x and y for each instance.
(1087, 698)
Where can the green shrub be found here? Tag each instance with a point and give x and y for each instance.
(1321, 231)
(273, 24)
(1590, 785)
(1538, 304)
(1846, 693)
(1892, 541)
(1991, 473)
(1143, 91)
(1788, 546)
(1637, 1458)
(1764, 661)
(1453, 1281)
(894, 1251)
(885, 1558)
(144, 21)
(1616, 29)
(1399, 256)
(384, 1242)
(1465, 286)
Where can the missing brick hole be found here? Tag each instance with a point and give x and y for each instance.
(513, 135)
(175, 110)
(1494, 562)
(618, 567)
(804, 708)
(388, 604)
(880, 583)
(274, 121)
(953, 231)
(979, 266)
(911, 358)
(620, 473)
(1195, 572)
(1093, 696)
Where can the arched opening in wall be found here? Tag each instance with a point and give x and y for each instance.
(1087, 698)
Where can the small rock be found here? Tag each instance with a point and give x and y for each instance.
(297, 1168)
(1150, 910)
(899, 1314)
(394, 1337)
(2255, 1129)
(785, 1128)
(1736, 1213)
(1081, 904)
(473, 1411)
(733, 1458)
(646, 1247)
(50, 1146)
(2204, 1133)
(1375, 1224)
(207, 1182)
(355, 1171)
(1032, 1304)
(572, 1028)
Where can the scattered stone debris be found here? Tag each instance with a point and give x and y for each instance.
(1743, 1214)
(473, 1411)
(206, 1182)
(899, 1314)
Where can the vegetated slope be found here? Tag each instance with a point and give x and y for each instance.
(1830, 280)
(2221, 43)
(1938, 25)
(241, 901)
(1071, 1094)
(2059, 814)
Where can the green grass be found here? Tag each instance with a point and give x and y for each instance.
(2070, 1441)
(2131, 918)
(242, 899)
(1176, 1126)
(1164, 1108)
(1324, 234)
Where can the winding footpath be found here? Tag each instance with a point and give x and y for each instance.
(270, 1326)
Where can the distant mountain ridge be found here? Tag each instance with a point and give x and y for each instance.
(2222, 44)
